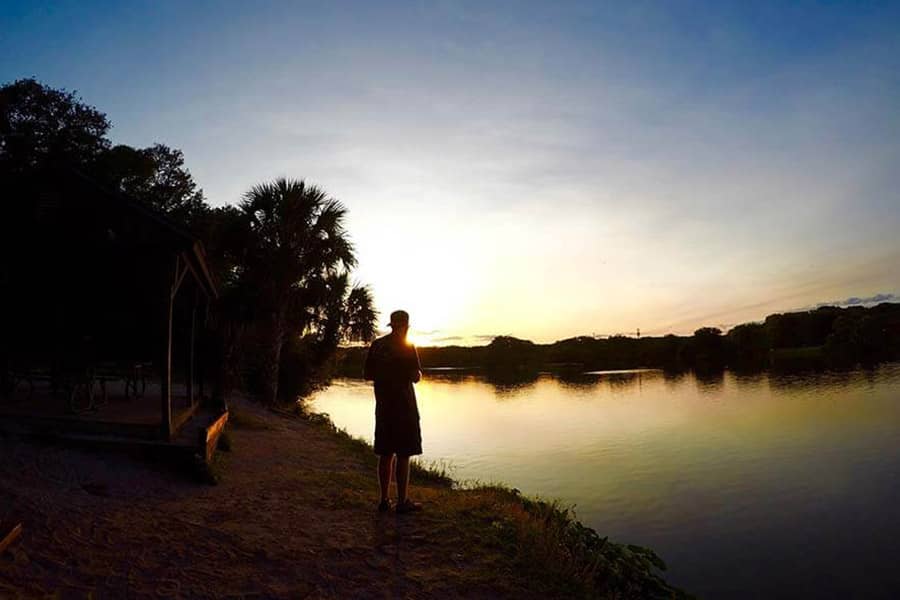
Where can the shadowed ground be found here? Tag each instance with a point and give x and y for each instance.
(293, 516)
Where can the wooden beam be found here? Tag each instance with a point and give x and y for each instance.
(208, 436)
(201, 261)
(179, 274)
(201, 372)
(10, 537)
(191, 373)
(197, 276)
(166, 374)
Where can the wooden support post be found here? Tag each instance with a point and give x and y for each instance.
(191, 374)
(204, 346)
(166, 374)
(200, 374)
(200, 357)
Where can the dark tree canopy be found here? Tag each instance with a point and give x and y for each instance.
(156, 176)
(40, 124)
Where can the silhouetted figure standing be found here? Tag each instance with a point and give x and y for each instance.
(393, 364)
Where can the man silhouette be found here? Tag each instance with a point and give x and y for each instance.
(393, 364)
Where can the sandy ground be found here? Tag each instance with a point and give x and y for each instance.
(292, 517)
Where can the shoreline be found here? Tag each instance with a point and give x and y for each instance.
(576, 556)
(293, 515)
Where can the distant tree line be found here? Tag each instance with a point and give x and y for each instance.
(281, 256)
(825, 337)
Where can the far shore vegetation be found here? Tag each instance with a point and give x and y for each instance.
(826, 337)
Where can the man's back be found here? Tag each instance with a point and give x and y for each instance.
(392, 361)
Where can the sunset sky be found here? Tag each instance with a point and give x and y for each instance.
(539, 169)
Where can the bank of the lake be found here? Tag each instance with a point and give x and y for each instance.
(748, 485)
(292, 516)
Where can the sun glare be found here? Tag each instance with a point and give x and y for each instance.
(414, 338)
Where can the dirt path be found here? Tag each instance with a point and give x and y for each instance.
(292, 517)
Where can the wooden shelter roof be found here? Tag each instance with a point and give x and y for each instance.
(58, 186)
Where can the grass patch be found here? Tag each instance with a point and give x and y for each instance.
(572, 554)
(559, 555)
(433, 473)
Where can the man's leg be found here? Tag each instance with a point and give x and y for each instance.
(385, 470)
(402, 478)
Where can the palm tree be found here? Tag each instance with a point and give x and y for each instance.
(359, 315)
(297, 250)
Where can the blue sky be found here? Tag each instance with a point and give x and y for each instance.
(539, 169)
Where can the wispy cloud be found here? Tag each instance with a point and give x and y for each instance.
(857, 301)
(488, 337)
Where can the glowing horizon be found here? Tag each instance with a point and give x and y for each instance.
(423, 337)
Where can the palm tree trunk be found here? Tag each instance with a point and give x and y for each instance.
(272, 344)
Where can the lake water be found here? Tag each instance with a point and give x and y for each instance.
(747, 486)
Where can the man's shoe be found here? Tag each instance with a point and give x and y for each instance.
(408, 506)
(384, 506)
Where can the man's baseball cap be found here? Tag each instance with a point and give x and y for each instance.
(399, 317)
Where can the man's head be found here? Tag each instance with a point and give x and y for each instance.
(400, 322)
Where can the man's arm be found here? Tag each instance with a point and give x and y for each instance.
(417, 370)
(369, 370)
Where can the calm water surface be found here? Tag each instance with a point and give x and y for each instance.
(747, 486)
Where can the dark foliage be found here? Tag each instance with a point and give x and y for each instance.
(825, 337)
(40, 125)
(155, 176)
(282, 257)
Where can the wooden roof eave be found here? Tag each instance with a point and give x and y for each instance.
(175, 236)
(197, 261)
